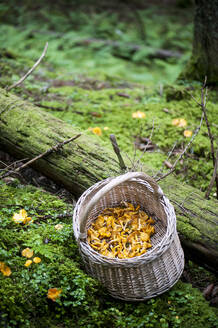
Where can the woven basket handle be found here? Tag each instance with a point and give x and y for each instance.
(113, 183)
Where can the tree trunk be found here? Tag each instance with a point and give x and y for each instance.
(204, 61)
(27, 131)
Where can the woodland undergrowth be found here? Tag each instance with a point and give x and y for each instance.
(102, 90)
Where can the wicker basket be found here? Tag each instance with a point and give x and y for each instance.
(140, 277)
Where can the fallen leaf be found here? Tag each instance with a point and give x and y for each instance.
(168, 164)
(121, 94)
(166, 110)
(214, 291)
(143, 144)
(95, 114)
(208, 291)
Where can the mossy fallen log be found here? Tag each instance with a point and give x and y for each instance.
(27, 132)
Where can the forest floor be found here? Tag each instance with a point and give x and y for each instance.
(92, 84)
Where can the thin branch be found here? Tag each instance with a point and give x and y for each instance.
(31, 70)
(146, 147)
(134, 156)
(209, 133)
(168, 157)
(204, 110)
(213, 177)
(184, 151)
(135, 149)
(58, 109)
(7, 167)
(117, 151)
(47, 152)
(130, 160)
(197, 102)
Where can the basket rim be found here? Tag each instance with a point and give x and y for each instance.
(88, 252)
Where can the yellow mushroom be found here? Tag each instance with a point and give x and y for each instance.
(145, 236)
(122, 232)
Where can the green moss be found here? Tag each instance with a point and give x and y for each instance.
(105, 108)
(191, 211)
(83, 302)
(196, 70)
(11, 65)
(84, 109)
(187, 230)
(54, 104)
(177, 92)
(191, 71)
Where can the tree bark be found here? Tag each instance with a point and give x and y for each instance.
(26, 131)
(204, 61)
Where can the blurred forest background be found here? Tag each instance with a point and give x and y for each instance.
(138, 41)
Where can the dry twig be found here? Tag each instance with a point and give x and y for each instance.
(117, 152)
(146, 147)
(58, 109)
(202, 104)
(47, 152)
(6, 168)
(31, 70)
(184, 151)
(213, 177)
(130, 160)
(168, 157)
(136, 166)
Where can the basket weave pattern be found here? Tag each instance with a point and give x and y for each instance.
(140, 277)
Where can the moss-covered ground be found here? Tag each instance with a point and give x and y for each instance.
(83, 302)
(94, 86)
